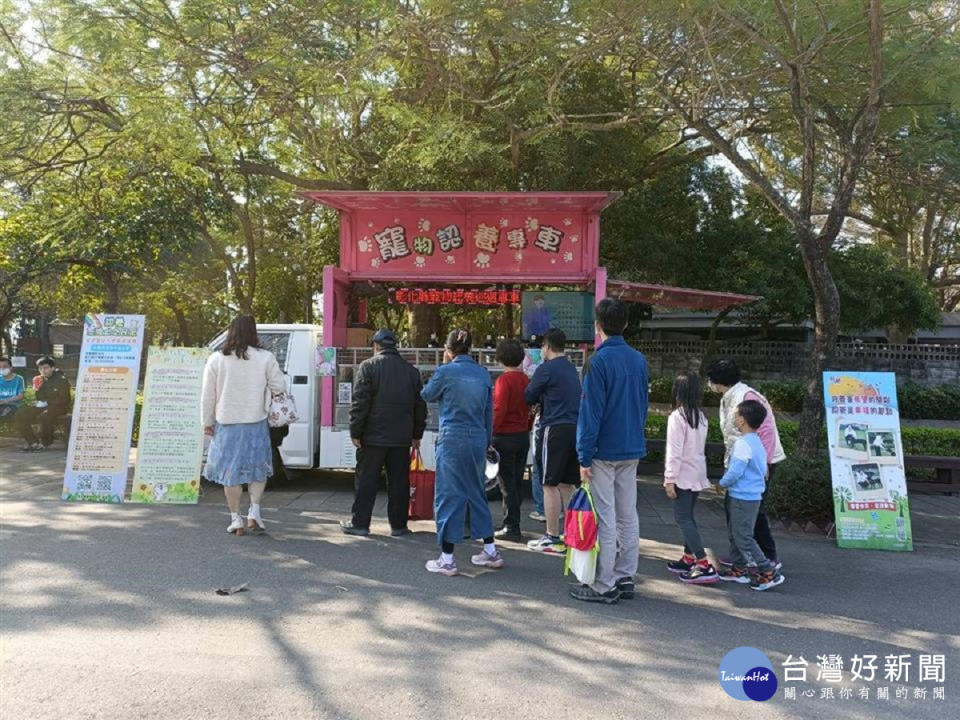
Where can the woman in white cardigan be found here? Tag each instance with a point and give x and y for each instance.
(238, 382)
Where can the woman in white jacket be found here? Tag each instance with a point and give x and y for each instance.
(238, 383)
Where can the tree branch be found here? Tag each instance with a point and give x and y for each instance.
(249, 167)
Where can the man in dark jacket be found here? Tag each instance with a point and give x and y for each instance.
(52, 403)
(387, 417)
(555, 387)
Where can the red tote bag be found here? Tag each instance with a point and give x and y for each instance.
(422, 483)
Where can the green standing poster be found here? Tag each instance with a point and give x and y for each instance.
(871, 507)
(170, 448)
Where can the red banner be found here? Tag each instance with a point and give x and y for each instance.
(459, 296)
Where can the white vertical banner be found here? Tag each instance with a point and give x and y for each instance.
(170, 444)
(99, 451)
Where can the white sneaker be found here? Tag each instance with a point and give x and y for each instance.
(236, 524)
(494, 561)
(538, 516)
(253, 518)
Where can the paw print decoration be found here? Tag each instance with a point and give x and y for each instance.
(532, 223)
(424, 225)
(375, 262)
(365, 245)
(574, 238)
(420, 261)
(568, 257)
(568, 222)
(518, 256)
(450, 260)
(482, 260)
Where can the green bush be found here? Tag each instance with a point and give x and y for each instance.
(661, 391)
(786, 396)
(931, 441)
(940, 402)
(921, 402)
(801, 490)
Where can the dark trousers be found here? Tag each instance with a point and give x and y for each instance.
(371, 460)
(683, 514)
(513, 448)
(761, 529)
(47, 418)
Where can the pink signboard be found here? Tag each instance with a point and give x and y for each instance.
(468, 237)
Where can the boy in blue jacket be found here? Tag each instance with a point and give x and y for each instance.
(745, 481)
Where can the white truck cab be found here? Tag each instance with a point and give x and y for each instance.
(295, 348)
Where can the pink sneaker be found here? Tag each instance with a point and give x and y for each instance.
(494, 561)
(439, 566)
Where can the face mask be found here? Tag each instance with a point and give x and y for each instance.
(5, 371)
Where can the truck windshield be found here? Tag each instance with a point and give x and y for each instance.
(276, 342)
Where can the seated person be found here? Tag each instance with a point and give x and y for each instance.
(11, 389)
(53, 402)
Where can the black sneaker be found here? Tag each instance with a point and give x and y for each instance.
(348, 528)
(627, 587)
(586, 593)
(400, 532)
(509, 534)
(679, 566)
(700, 575)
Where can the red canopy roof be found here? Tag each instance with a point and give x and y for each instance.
(351, 200)
(677, 297)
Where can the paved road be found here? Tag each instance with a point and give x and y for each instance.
(109, 612)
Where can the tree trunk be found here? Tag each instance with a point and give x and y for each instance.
(424, 320)
(112, 287)
(826, 305)
(183, 327)
(7, 340)
(507, 322)
(712, 340)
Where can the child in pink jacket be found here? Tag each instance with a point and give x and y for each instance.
(685, 476)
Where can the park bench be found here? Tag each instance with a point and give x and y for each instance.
(947, 468)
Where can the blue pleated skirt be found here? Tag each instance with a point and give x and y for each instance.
(239, 453)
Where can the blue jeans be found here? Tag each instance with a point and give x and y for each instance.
(536, 474)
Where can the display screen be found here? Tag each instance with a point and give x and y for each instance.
(571, 312)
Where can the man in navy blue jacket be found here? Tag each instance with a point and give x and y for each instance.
(555, 386)
(610, 441)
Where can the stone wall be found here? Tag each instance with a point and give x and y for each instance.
(926, 364)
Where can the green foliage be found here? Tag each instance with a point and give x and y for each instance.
(943, 442)
(921, 402)
(801, 490)
(937, 402)
(877, 291)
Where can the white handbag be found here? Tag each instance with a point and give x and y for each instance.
(282, 411)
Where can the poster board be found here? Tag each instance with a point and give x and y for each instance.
(870, 501)
(98, 453)
(326, 361)
(170, 446)
(571, 312)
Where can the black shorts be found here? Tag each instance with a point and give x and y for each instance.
(558, 456)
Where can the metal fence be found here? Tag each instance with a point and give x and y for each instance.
(929, 364)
